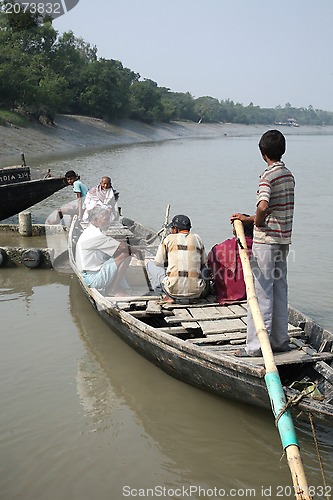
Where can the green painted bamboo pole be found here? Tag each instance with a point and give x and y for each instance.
(272, 377)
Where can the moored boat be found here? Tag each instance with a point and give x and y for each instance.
(18, 191)
(196, 342)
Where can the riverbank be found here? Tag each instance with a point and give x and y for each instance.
(71, 134)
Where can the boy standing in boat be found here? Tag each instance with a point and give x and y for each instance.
(272, 236)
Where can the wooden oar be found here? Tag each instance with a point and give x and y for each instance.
(272, 378)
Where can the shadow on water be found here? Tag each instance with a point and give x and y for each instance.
(204, 439)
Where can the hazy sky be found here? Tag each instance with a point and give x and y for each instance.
(268, 53)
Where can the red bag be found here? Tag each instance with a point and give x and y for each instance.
(226, 266)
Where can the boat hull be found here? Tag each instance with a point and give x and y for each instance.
(186, 363)
(19, 196)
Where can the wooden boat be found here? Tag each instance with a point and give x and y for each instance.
(196, 342)
(19, 192)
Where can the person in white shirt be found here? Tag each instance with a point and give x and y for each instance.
(102, 260)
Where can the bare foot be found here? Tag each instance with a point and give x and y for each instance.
(167, 299)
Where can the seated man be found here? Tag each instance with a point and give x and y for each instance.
(103, 195)
(226, 266)
(102, 260)
(185, 258)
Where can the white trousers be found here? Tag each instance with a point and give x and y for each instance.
(269, 268)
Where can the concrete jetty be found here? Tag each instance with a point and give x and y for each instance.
(29, 251)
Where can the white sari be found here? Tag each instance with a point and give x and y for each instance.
(97, 196)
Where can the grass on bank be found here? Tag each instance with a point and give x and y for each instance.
(12, 118)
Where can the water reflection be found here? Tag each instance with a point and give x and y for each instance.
(19, 283)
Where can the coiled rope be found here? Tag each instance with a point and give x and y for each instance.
(293, 401)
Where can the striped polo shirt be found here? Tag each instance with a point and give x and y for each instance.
(276, 186)
(186, 256)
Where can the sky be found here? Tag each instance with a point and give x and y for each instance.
(264, 52)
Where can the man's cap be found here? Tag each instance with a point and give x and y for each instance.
(180, 222)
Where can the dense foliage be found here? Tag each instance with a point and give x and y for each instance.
(42, 74)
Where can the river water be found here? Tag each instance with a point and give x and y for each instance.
(84, 416)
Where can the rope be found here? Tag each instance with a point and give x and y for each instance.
(293, 401)
(318, 453)
(240, 243)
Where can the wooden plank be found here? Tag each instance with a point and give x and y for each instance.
(185, 314)
(153, 307)
(131, 298)
(295, 356)
(124, 306)
(222, 337)
(173, 330)
(184, 317)
(176, 318)
(325, 370)
(238, 341)
(238, 309)
(226, 311)
(222, 326)
(217, 348)
(325, 346)
(138, 314)
(292, 328)
(205, 312)
(302, 345)
(200, 303)
(290, 357)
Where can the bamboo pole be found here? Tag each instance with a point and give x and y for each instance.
(274, 386)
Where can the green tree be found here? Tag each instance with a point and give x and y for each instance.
(207, 109)
(146, 101)
(106, 89)
(70, 58)
(27, 82)
(181, 105)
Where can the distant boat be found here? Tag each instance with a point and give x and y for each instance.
(19, 192)
(291, 122)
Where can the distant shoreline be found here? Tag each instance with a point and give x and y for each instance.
(73, 134)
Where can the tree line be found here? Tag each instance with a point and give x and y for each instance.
(43, 74)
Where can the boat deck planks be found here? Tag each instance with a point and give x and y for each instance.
(184, 317)
(224, 326)
(293, 356)
(219, 337)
